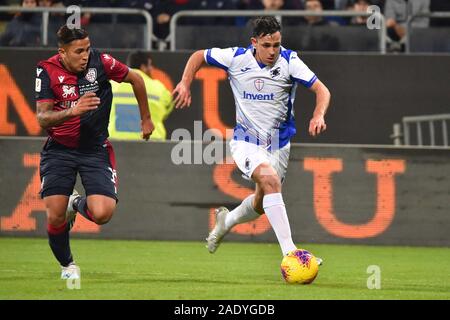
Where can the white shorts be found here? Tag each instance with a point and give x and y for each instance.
(249, 156)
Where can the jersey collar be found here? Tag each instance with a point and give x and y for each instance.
(260, 64)
(253, 52)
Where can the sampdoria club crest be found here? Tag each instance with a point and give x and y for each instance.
(259, 84)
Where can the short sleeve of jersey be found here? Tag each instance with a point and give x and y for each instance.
(43, 89)
(221, 58)
(115, 70)
(300, 72)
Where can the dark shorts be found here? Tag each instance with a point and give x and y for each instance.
(59, 167)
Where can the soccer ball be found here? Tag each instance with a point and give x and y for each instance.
(299, 266)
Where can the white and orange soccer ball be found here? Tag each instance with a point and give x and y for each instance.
(299, 266)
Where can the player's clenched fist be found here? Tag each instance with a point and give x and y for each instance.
(87, 102)
(147, 128)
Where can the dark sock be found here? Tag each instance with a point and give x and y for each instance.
(80, 204)
(58, 238)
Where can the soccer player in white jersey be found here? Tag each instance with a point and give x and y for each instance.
(263, 78)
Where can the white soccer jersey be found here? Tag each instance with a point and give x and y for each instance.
(264, 95)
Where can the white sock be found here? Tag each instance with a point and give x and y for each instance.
(242, 213)
(276, 213)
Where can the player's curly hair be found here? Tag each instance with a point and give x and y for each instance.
(265, 25)
(66, 35)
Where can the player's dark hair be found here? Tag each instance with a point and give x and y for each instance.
(265, 25)
(137, 58)
(66, 35)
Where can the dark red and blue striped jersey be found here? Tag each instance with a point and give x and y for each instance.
(56, 84)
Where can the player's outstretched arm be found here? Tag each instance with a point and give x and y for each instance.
(140, 92)
(48, 118)
(183, 88)
(317, 124)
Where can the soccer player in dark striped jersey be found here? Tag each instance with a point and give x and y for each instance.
(73, 103)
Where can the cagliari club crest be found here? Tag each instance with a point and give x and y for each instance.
(91, 75)
(259, 84)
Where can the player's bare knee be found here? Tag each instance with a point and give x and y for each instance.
(270, 184)
(102, 208)
(56, 220)
(102, 220)
(102, 217)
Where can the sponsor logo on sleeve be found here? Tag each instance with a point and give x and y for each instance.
(38, 85)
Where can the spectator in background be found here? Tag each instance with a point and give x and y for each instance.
(272, 4)
(245, 5)
(169, 8)
(317, 39)
(124, 123)
(282, 5)
(285, 5)
(164, 12)
(326, 4)
(340, 4)
(346, 4)
(45, 3)
(55, 21)
(360, 6)
(315, 5)
(24, 30)
(87, 18)
(148, 5)
(215, 5)
(379, 3)
(257, 5)
(397, 12)
(53, 4)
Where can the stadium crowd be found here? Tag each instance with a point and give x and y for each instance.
(23, 29)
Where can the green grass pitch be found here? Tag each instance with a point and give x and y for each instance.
(112, 269)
